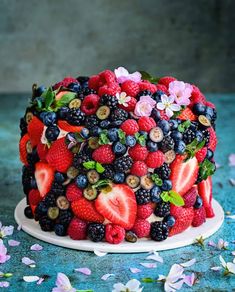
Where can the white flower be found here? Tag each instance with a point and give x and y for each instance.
(63, 284)
(123, 98)
(167, 104)
(229, 268)
(174, 280)
(131, 286)
(6, 230)
(222, 244)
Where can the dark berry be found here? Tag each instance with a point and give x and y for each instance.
(119, 149)
(49, 118)
(23, 126)
(157, 95)
(165, 126)
(75, 116)
(59, 177)
(109, 172)
(176, 135)
(167, 185)
(209, 154)
(155, 114)
(32, 158)
(206, 135)
(169, 220)
(95, 131)
(180, 147)
(119, 115)
(113, 134)
(159, 231)
(142, 196)
(130, 141)
(167, 144)
(28, 212)
(46, 224)
(188, 136)
(91, 121)
(123, 164)
(163, 171)
(74, 86)
(199, 109)
(155, 193)
(52, 133)
(81, 181)
(105, 124)
(151, 146)
(199, 136)
(50, 200)
(60, 230)
(96, 231)
(209, 113)
(143, 93)
(65, 217)
(41, 210)
(198, 204)
(58, 189)
(162, 209)
(173, 124)
(39, 91)
(62, 112)
(119, 177)
(109, 100)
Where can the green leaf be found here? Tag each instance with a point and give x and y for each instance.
(184, 126)
(89, 164)
(206, 169)
(39, 103)
(122, 136)
(156, 179)
(101, 183)
(142, 140)
(49, 98)
(65, 99)
(99, 168)
(165, 196)
(103, 138)
(176, 199)
(148, 280)
(146, 76)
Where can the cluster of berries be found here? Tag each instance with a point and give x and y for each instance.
(115, 147)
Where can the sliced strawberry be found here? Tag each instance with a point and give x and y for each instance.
(42, 150)
(201, 154)
(60, 94)
(59, 156)
(183, 219)
(85, 210)
(34, 197)
(190, 197)
(65, 126)
(183, 174)
(118, 206)
(199, 217)
(35, 129)
(213, 139)
(22, 149)
(205, 191)
(187, 114)
(44, 175)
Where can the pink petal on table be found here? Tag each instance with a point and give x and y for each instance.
(231, 159)
(188, 263)
(30, 279)
(12, 242)
(135, 270)
(99, 253)
(155, 257)
(233, 253)
(85, 271)
(216, 268)
(149, 265)
(39, 282)
(4, 284)
(211, 243)
(106, 276)
(189, 279)
(36, 247)
(27, 261)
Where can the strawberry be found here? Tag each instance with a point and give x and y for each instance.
(138, 152)
(22, 149)
(199, 217)
(34, 197)
(44, 175)
(77, 229)
(90, 104)
(73, 193)
(213, 139)
(201, 154)
(130, 127)
(85, 210)
(155, 159)
(130, 105)
(65, 126)
(144, 211)
(146, 85)
(110, 89)
(61, 93)
(59, 156)
(139, 168)
(205, 192)
(114, 233)
(130, 87)
(190, 197)
(93, 82)
(146, 123)
(42, 150)
(35, 129)
(187, 114)
(183, 219)
(118, 205)
(166, 80)
(183, 174)
(141, 228)
(104, 154)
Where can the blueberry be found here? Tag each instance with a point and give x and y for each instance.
(105, 124)
(62, 113)
(49, 118)
(40, 90)
(167, 185)
(52, 133)
(198, 204)
(169, 220)
(157, 95)
(81, 181)
(84, 133)
(42, 115)
(155, 114)
(117, 123)
(60, 230)
(119, 177)
(209, 154)
(119, 148)
(173, 124)
(180, 147)
(194, 126)
(84, 84)
(209, 112)
(143, 133)
(155, 194)
(176, 135)
(33, 183)
(95, 131)
(199, 136)
(74, 86)
(130, 141)
(113, 134)
(199, 109)
(28, 212)
(59, 177)
(151, 146)
(165, 126)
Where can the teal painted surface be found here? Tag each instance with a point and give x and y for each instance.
(54, 259)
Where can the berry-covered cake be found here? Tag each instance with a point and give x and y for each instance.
(117, 156)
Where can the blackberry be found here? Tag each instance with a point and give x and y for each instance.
(91, 121)
(60, 230)
(109, 172)
(119, 115)
(163, 171)
(167, 144)
(23, 127)
(188, 136)
(50, 200)
(27, 176)
(162, 209)
(75, 116)
(214, 117)
(142, 196)
(33, 158)
(206, 135)
(59, 177)
(65, 217)
(57, 189)
(79, 158)
(41, 210)
(28, 212)
(96, 231)
(194, 126)
(159, 231)
(143, 93)
(46, 223)
(84, 92)
(82, 79)
(123, 163)
(109, 100)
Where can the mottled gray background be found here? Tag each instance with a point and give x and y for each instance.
(44, 40)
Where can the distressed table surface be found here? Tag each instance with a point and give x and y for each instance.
(53, 259)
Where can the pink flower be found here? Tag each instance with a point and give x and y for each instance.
(231, 159)
(3, 253)
(144, 106)
(122, 75)
(63, 284)
(167, 104)
(181, 92)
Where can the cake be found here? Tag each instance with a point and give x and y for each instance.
(118, 156)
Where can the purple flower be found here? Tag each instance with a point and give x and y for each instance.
(144, 106)
(167, 104)
(181, 92)
(3, 253)
(6, 230)
(63, 284)
(123, 75)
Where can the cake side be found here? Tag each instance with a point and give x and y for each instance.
(118, 156)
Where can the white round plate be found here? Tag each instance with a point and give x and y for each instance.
(142, 245)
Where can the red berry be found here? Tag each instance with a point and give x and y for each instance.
(144, 211)
(197, 96)
(114, 233)
(63, 125)
(22, 148)
(104, 154)
(94, 82)
(130, 87)
(201, 154)
(73, 193)
(44, 175)
(163, 115)
(35, 129)
(141, 228)
(184, 218)
(146, 123)
(107, 76)
(130, 105)
(90, 104)
(77, 229)
(190, 197)
(213, 139)
(146, 85)
(42, 150)
(155, 159)
(210, 104)
(166, 80)
(138, 152)
(162, 88)
(205, 192)
(187, 114)
(111, 89)
(34, 197)
(130, 127)
(65, 82)
(139, 168)
(199, 217)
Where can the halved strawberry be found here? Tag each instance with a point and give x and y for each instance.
(22, 149)
(205, 191)
(65, 126)
(35, 129)
(85, 210)
(183, 219)
(42, 150)
(60, 94)
(34, 197)
(118, 205)
(44, 175)
(201, 154)
(187, 114)
(183, 174)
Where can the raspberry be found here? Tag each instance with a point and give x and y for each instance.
(141, 228)
(201, 154)
(166, 80)
(213, 140)
(144, 211)
(210, 104)
(110, 89)
(94, 82)
(130, 127)
(34, 197)
(104, 154)
(107, 77)
(138, 152)
(163, 115)
(139, 168)
(130, 87)
(77, 229)
(197, 96)
(131, 105)
(162, 88)
(65, 82)
(73, 192)
(146, 123)
(155, 159)
(199, 217)
(146, 85)
(90, 104)
(114, 233)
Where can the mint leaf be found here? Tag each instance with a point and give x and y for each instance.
(193, 147)
(65, 99)
(101, 183)
(99, 168)
(49, 98)
(176, 199)
(89, 164)
(184, 126)
(156, 179)
(206, 168)
(122, 136)
(142, 140)
(146, 76)
(39, 103)
(103, 138)
(148, 280)
(165, 196)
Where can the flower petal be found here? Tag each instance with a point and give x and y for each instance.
(85, 271)
(175, 107)
(135, 270)
(62, 281)
(133, 285)
(12, 242)
(189, 279)
(106, 276)
(231, 267)
(4, 284)
(36, 247)
(175, 273)
(99, 253)
(169, 112)
(30, 279)
(149, 265)
(177, 285)
(155, 257)
(27, 261)
(218, 268)
(188, 263)
(161, 106)
(222, 261)
(119, 287)
(231, 159)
